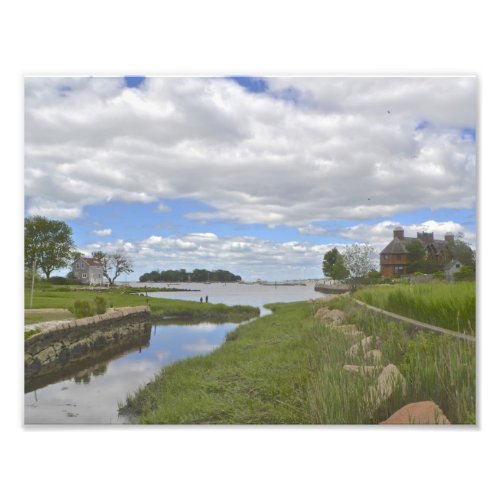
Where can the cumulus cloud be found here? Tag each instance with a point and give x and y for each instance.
(379, 235)
(247, 256)
(341, 148)
(102, 232)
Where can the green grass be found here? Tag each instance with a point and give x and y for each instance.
(437, 368)
(31, 317)
(65, 296)
(287, 368)
(259, 376)
(448, 305)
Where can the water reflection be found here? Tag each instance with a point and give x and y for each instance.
(89, 392)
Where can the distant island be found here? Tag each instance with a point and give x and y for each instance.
(182, 276)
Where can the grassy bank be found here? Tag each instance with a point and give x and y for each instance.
(288, 368)
(448, 305)
(65, 296)
(437, 368)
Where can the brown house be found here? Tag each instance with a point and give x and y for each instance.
(394, 257)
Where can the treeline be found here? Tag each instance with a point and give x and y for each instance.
(198, 276)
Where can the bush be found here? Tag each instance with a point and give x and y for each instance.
(82, 309)
(100, 305)
(58, 280)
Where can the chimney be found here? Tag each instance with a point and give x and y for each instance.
(427, 238)
(399, 232)
(449, 238)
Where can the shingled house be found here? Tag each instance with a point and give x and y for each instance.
(88, 271)
(394, 257)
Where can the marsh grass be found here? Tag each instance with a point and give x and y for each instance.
(288, 368)
(437, 368)
(259, 378)
(448, 305)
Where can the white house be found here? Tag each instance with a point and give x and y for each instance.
(88, 270)
(451, 268)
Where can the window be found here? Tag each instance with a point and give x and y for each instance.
(398, 269)
(398, 257)
(386, 257)
(84, 275)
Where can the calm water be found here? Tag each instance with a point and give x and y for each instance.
(89, 394)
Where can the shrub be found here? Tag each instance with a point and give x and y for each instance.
(58, 280)
(82, 309)
(100, 305)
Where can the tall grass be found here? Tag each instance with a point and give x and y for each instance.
(437, 368)
(288, 368)
(448, 305)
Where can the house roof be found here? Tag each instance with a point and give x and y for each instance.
(89, 261)
(398, 246)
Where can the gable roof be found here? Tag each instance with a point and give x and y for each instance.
(90, 261)
(398, 246)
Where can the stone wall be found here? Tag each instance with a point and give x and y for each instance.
(79, 338)
(333, 288)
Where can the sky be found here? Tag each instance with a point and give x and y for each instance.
(257, 175)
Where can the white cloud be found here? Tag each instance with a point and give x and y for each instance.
(102, 232)
(253, 158)
(379, 235)
(247, 256)
(161, 207)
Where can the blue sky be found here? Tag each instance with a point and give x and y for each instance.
(260, 176)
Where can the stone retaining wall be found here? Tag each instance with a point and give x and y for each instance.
(335, 288)
(73, 339)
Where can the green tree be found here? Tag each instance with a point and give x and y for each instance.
(333, 265)
(416, 256)
(357, 260)
(114, 265)
(48, 244)
(462, 252)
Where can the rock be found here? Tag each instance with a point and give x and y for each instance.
(388, 381)
(331, 316)
(365, 345)
(423, 412)
(361, 370)
(351, 332)
(375, 356)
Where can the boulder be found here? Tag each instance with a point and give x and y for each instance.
(361, 370)
(331, 316)
(375, 356)
(388, 381)
(422, 412)
(365, 345)
(350, 332)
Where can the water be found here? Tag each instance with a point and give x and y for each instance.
(237, 293)
(89, 392)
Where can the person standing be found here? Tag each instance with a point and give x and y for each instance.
(206, 299)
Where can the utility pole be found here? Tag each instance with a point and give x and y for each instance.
(33, 283)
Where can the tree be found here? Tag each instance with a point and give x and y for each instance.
(416, 256)
(462, 252)
(47, 244)
(114, 265)
(333, 265)
(357, 260)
